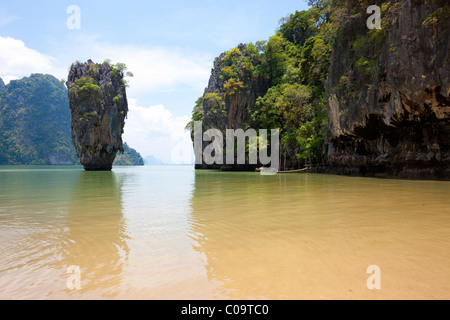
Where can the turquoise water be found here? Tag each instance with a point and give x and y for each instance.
(177, 233)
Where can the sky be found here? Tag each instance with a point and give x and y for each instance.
(169, 46)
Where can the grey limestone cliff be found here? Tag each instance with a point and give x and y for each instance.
(227, 107)
(98, 105)
(389, 106)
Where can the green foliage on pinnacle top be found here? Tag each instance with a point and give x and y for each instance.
(88, 91)
(119, 71)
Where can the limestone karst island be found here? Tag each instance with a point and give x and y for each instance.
(98, 105)
(212, 153)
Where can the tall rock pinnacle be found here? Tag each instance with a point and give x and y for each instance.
(98, 105)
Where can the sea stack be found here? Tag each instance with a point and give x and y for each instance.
(98, 104)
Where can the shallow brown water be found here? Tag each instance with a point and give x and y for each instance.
(173, 233)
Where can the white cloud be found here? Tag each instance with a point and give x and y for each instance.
(17, 61)
(154, 131)
(155, 68)
(158, 68)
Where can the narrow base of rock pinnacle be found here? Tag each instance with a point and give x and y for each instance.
(98, 168)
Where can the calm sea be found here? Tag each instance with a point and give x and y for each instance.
(177, 233)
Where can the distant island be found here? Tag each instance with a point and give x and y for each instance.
(35, 125)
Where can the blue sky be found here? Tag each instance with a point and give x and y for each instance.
(169, 46)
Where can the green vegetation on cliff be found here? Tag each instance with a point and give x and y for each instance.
(275, 84)
(35, 124)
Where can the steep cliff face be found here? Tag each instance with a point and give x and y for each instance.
(230, 93)
(388, 89)
(2, 84)
(237, 97)
(98, 105)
